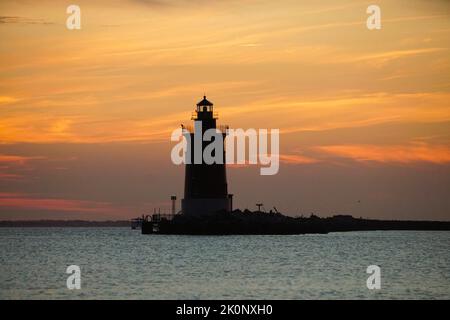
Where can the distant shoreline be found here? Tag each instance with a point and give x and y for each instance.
(339, 223)
(62, 223)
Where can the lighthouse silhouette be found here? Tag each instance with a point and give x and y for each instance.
(205, 186)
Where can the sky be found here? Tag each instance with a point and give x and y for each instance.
(86, 115)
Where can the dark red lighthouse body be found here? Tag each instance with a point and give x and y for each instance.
(205, 188)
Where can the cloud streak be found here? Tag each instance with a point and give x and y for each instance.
(404, 154)
(23, 20)
(22, 201)
(14, 159)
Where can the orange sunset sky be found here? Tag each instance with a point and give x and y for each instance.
(86, 115)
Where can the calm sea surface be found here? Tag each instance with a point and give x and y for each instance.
(119, 263)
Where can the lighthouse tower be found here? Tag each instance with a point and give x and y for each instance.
(205, 187)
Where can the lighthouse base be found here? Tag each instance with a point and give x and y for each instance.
(205, 205)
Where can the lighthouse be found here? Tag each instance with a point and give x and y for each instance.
(205, 186)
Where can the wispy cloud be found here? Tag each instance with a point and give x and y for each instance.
(418, 152)
(297, 159)
(23, 20)
(4, 158)
(24, 201)
(7, 100)
(16, 167)
(384, 57)
(10, 176)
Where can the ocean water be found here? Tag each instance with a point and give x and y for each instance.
(119, 263)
